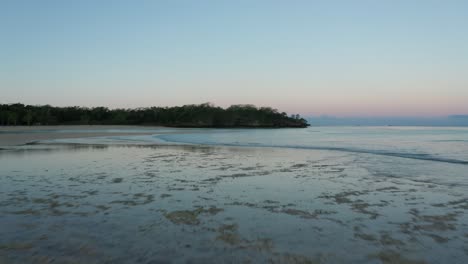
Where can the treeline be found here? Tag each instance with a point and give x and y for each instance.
(202, 115)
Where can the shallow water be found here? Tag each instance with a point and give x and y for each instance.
(316, 195)
(444, 144)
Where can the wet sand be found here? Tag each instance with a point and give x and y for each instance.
(192, 204)
(9, 135)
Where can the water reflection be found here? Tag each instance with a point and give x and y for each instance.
(130, 203)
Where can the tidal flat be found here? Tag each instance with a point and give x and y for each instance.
(73, 203)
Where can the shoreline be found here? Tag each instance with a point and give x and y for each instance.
(21, 135)
(9, 136)
(56, 127)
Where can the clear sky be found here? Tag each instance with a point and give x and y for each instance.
(344, 58)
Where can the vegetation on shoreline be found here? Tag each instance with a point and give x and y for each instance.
(202, 115)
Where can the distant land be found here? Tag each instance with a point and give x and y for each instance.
(201, 115)
(452, 120)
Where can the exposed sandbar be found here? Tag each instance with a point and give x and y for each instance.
(20, 135)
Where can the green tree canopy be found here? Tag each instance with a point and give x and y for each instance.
(201, 115)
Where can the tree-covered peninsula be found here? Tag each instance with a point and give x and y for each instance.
(202, 115)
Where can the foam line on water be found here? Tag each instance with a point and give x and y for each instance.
(416, 156)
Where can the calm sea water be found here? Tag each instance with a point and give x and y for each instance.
(440, 147)
(315, 195)
(428, 143)
(444, 144)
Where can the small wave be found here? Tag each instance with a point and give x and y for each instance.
(416, 156)
(451, 140)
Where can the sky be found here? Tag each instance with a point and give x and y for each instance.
(339, 58)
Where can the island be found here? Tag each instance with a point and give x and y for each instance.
(204, 115)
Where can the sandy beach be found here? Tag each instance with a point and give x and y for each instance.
(20, 135)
